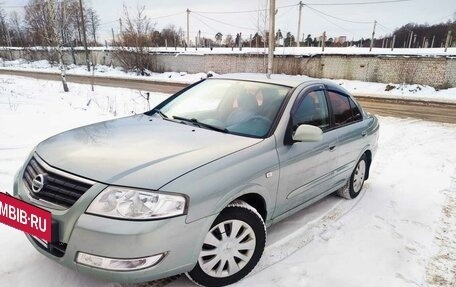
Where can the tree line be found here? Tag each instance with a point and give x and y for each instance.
(46, 22)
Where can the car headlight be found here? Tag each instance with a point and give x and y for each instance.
(136, 204)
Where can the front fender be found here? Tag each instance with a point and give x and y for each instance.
(212, 187)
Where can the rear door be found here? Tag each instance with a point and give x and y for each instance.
(351, 132)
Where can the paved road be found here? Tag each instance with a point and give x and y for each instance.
(146, 85)
(427, 110)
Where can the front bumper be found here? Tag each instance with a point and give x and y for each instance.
(121, 239)
(125, 239)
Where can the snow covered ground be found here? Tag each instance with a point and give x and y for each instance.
(389, 90)
(400, 232)
(451, 51)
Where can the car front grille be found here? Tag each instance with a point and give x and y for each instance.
(58, 188)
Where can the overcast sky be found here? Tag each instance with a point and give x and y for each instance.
(314, 22)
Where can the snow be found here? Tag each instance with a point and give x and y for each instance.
(387, 90)
(100, 70)
(399, 232)
(398, 91)
(310, 51)
(301, 51)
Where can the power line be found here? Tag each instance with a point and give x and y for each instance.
(205, 24)
(435, 21)
(310, 4)
(356, 3)
(389, 29)
(345, 29)
(241, 12)
(340, 19)
(166, 16)
(284, 13)
(221, 22)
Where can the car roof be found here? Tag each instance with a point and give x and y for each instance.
(277, 79)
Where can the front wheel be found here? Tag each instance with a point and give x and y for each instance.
(356, 181)
(231, 248)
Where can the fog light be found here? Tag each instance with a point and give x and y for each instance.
(117, 264)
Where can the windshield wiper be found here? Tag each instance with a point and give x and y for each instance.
(158, 111)
(201, 124)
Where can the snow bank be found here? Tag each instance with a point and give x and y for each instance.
(389, 236)
(296, 51)
(390, 90)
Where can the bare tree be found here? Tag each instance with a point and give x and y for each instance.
(218, 38)
(229, 40)
(134, 41)
(262, 21)
(38, 22)
(16, 26)
(170, 35)
(48, 29)
(93, 23)
(4, 29)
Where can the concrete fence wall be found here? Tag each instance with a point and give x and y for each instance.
(437, 71)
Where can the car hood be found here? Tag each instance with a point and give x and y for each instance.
(139, 151)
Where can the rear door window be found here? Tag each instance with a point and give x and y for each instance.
(344, 109)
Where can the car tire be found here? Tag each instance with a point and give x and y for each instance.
(355, 183)
(226, 256)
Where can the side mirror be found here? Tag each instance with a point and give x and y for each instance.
(308, 133)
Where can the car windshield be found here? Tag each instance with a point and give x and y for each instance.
(231, 106)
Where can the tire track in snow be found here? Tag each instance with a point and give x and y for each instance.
(441, 268)
(324, 227)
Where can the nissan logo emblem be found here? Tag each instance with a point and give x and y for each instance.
(38, 183)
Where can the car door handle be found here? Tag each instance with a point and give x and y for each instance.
(332, 147)
(363, 134)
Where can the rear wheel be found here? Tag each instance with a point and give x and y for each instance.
(355, 183)
(231, 248)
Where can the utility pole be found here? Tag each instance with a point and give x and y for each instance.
(299, 22)
(81, 10)
(447, 42)
(113, 39)
(394, 41)
(240, 41)
(410, 40)
(188, 27)
(271, 37)
(432, 43)
(373, 34)
(323, 41)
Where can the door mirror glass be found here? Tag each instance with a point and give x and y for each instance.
(307, 133)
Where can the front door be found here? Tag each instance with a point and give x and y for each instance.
(306, 167)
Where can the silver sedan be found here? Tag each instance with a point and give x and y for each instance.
(190, 186)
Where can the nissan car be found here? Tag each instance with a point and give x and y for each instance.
(192, 185)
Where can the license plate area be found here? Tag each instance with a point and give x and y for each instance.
(28, 218)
